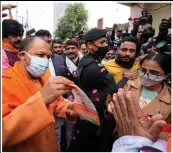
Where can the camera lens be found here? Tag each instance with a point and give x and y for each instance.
(162, 46)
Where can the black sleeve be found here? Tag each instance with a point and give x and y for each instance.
(93, 76)
(122, 83)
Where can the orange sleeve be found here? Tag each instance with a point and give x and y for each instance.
(8, 104)
(60, 107)
(25, 121)
(169, 143)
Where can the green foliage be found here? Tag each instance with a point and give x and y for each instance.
(75, 17)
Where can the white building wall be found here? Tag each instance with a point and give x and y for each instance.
(59, 10)
(158, 15)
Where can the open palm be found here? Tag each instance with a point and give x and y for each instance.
(129, 118)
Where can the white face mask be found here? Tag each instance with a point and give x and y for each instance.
(150, 80)
(38, 66)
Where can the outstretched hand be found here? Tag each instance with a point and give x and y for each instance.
(129, 118)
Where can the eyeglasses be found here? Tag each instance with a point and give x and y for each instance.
(151, 74)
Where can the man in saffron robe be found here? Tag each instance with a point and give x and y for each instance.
(31, 100)
(12, 32)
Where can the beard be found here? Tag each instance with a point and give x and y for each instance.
(125, 62)
(125, 59)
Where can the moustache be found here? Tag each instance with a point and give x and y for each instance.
(17, 42)
(126, 57)
(70, 53)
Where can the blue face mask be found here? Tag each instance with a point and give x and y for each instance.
(38, 66)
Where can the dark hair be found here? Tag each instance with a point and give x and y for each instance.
(11, 27)
(71, 42)
(42, 32)
(111, 48)
(163, 59)
(27, 41)
(81, 43)
(128, 39)
(58, 41)
(54, 41)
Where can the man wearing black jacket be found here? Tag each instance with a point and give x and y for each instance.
(97, 83)
(135, 27)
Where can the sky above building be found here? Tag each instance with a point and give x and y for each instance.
(41, 13)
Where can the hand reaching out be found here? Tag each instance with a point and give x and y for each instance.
(131, 75)
(128, 115)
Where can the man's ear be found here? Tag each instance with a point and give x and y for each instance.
(21, 55)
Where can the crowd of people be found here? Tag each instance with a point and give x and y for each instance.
(127, 77)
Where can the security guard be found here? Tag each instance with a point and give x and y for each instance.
(97, 83)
